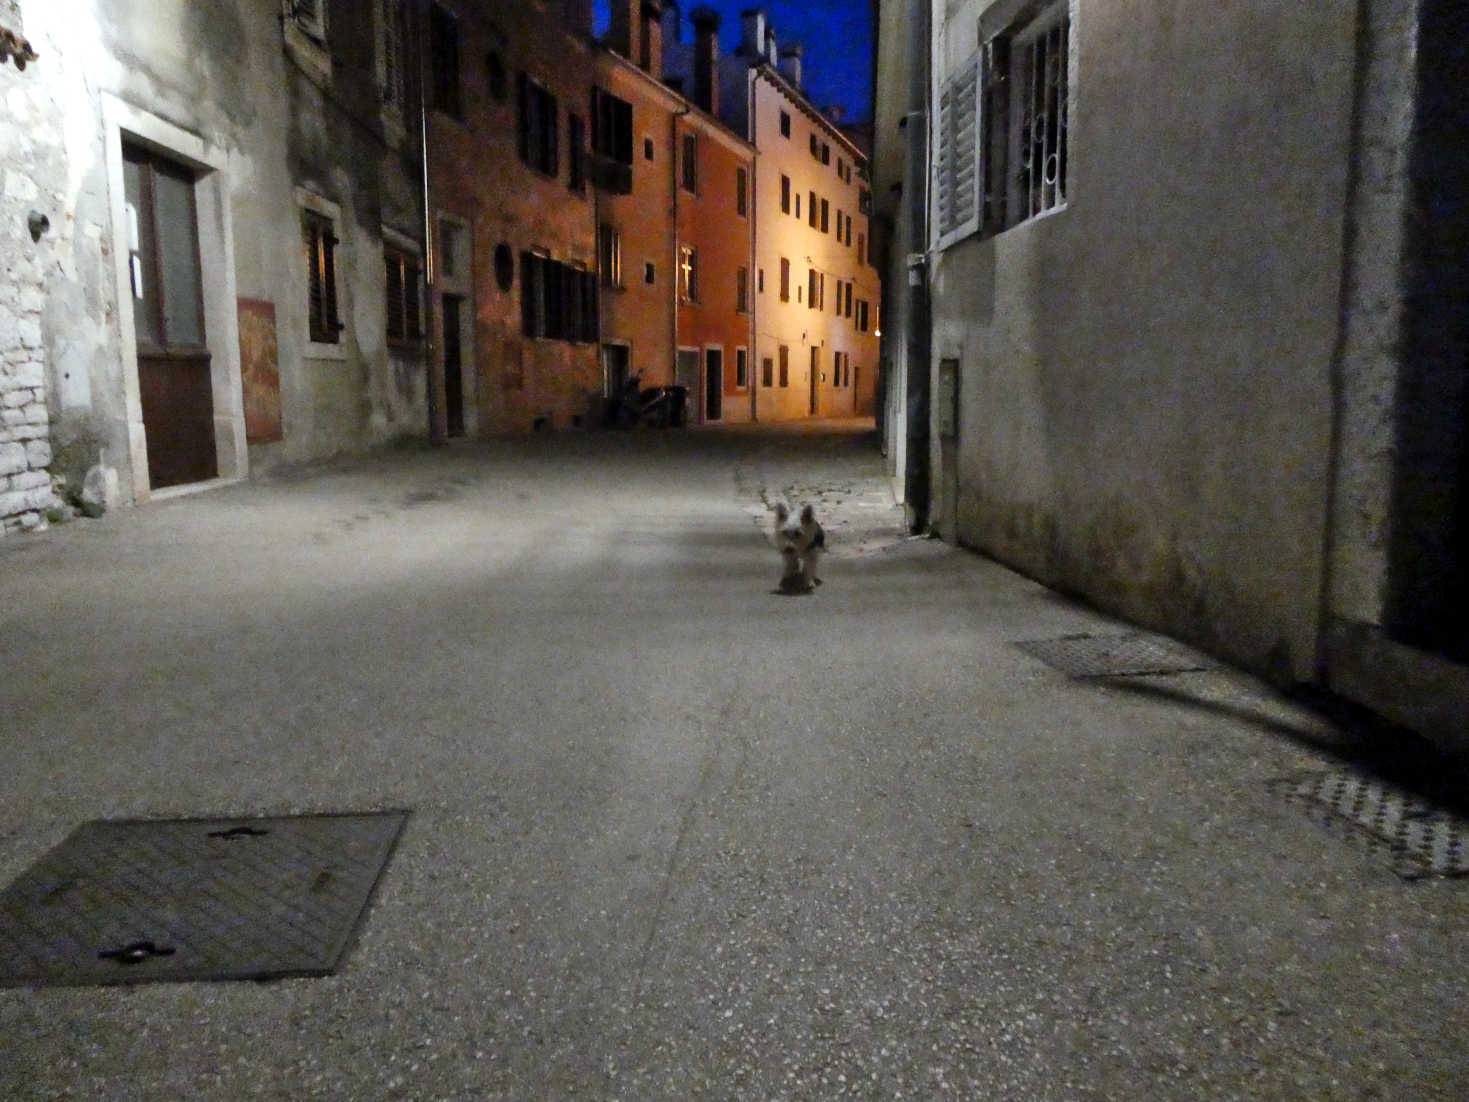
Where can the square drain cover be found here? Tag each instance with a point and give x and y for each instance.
(194, 899)
(1125, 655)
(1423, 839)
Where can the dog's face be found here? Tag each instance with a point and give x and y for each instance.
(796, 534)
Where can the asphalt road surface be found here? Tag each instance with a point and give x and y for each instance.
(676, 835)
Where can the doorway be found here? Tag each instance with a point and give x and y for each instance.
(713, 384)
(815, 375)
(687, 372)
(175, 386)
(453, 366)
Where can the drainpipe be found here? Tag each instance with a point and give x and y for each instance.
(916, 472)
(436, 434)
(673, 168)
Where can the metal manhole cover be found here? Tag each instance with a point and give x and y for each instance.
(194, 899)
(1423, 839)
(1124, 655)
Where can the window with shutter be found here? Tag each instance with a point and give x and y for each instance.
(323, 322)
(403, 327)
(955, 191)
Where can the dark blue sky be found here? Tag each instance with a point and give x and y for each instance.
(837, 35)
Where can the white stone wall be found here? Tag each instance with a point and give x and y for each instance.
(26, 154)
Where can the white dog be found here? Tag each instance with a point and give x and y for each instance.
(801, 541)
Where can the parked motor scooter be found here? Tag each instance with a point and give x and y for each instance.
(635, 404)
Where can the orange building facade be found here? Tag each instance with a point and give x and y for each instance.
(513, 214)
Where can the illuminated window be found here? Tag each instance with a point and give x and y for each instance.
(609, 255)
(688, 273)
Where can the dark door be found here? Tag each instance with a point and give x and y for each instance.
(453, 367)
(815, 376)
(174, 383)
(713, 384)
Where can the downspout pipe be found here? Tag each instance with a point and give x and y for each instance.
(673, 161)
(437, 427)
(917, 480)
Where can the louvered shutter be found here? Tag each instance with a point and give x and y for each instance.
(956, 193)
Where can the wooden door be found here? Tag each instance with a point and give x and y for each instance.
(174, 383)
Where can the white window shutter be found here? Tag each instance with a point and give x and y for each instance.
(956, 180)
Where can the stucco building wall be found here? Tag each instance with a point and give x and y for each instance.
(1143, 398)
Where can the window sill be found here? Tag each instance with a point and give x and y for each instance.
(321, 350)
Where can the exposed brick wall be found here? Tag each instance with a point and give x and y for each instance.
(25, 423)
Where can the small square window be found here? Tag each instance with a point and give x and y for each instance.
(647, 149)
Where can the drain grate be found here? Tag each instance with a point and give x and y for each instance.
(1421, 838)
(1124, 655)
(194, 899)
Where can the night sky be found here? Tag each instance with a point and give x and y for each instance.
(837, 34)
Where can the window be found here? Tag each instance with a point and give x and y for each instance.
(576, 139)
(443, 46)
(848, 310)
(839, 297)
(785, 125)
(861, 249)
(742, 290)
(741, 180)
(862, 315)
(767, 372)
(392, 60)
(611, 124)
(785, 195)
(825, 216)
(825, 154)
(304, 34)
(690, 164)
(647, 149)
(813, 212)
(841, 170)
(785, 366)
(537, 137)
(742, 368)
(798, 204)
(323, 323)
(816, 290)
(650, 273)
(785, 280)
(609, 255)
(557, 301)
(836, 368)
(815, 147)
(864, 201)
(688, 273)
(760, 281)
(451, 246)
(1023, 119)
(495, 79)
(403, 322)
(504, 266)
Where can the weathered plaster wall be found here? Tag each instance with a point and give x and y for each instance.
(31, 172)
(1144, 412)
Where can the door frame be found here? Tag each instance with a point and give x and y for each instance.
(124, 122)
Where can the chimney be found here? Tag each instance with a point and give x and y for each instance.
(790, 64)
(770, 54)
(752, 36)
(706, 58)
(650, 41)
(672, 23)
(624, 35)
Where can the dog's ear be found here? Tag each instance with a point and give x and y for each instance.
(781, 512)
(808, 514)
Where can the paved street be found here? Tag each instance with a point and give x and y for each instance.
(675, 835)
